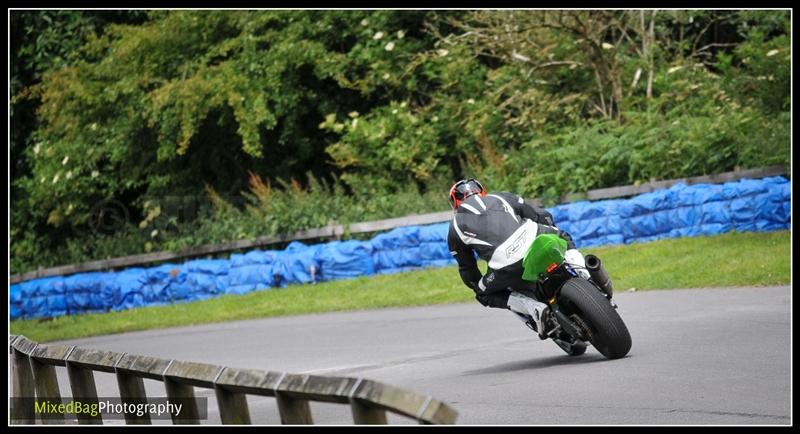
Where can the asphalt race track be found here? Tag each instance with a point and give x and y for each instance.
(701, 356)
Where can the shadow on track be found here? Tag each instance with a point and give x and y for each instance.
(539, 363)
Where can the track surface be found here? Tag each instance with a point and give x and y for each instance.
(701, 356)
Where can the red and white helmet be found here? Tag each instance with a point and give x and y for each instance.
(463, 189)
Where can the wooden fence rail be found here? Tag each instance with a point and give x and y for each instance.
(34, 376)
(336, 231)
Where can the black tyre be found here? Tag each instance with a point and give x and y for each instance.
(605, 328)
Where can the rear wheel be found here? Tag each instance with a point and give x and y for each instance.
(601, 322)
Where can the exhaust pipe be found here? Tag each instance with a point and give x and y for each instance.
(599, 274)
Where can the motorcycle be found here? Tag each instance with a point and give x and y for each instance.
(581, 310)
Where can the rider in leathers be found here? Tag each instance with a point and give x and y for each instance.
(500, 227)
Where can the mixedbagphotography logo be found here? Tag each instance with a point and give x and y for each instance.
(108, 216)
(110, 408)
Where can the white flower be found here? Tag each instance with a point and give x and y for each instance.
(154, 233)
(55, 178)
(69, 174)
(65, 160)
(94, 126)
(442, 52)
(394, 112)
(364, 22)
(353, 114)
(403, 104)
(520, 57)
(378, 36)
(607, 46)
(772, 53)
(470, 101)
(401, 34)
(95, 174)
(435, 118)
(389, 46)
(37, 148)
(673, 69)
(386, 76)
(41, 181)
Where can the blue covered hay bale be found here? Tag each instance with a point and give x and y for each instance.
(397, 238)
(206, 278)
(436, 232)
(297, 264)
(251, 271)
(156, 283)
(127, 288)
(43, 297)
(343, 259)
(86, 292)
(15, 301)
(434, 251)
(397, 258)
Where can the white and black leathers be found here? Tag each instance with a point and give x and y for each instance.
(499, 227)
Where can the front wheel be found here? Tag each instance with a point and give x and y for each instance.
(591, 311)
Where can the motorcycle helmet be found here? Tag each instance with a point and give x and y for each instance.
(463, 189)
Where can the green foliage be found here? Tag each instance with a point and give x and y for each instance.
(152, 99)
(758, 71)
(291, 208)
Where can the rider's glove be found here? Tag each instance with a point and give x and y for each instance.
(567, 237)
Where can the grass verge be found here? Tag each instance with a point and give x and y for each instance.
(733, 259)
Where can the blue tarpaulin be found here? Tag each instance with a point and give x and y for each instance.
(679, 211)
(251, 271)
(297, 264)
(343, 259)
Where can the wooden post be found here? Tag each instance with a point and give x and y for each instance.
(233, 408)
(81, 381)
(131, 391)
(23, 390)
(365, 415)
(182, 394)
(44, 376)
(293, 411)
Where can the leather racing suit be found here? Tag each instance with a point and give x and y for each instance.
(499, 228)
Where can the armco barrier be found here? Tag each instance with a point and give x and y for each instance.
(34, 375)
